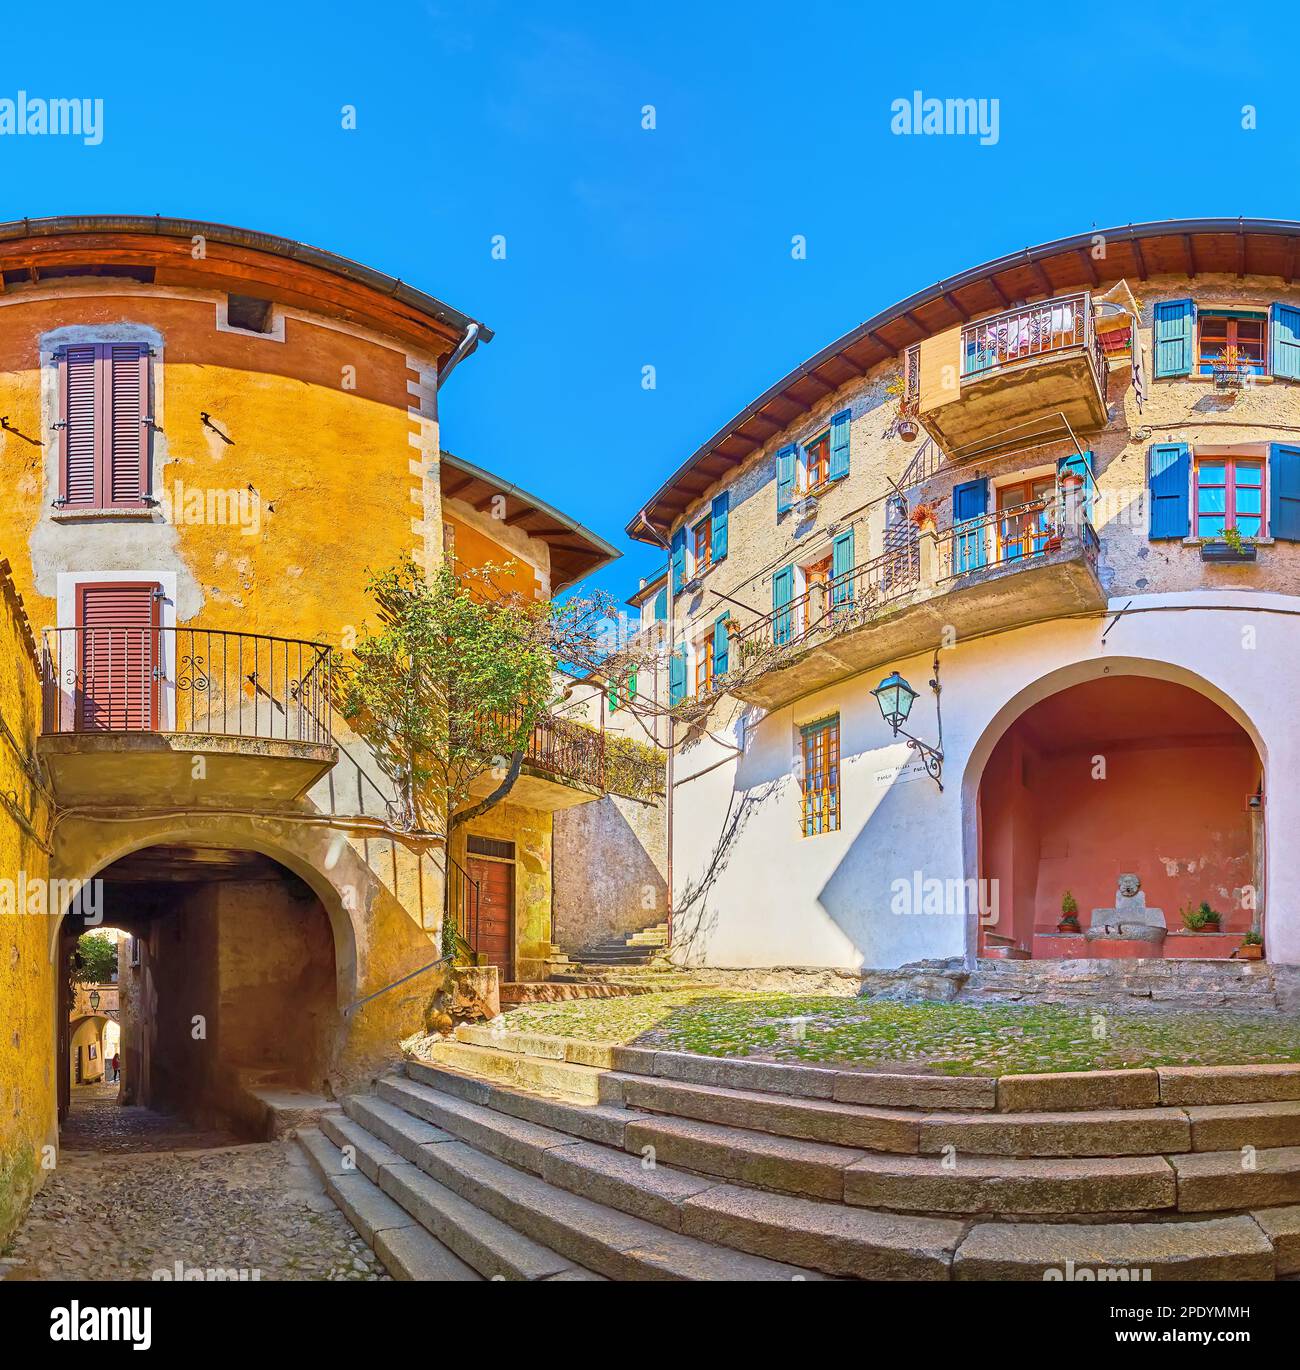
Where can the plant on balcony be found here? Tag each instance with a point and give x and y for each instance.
(925, 517)
(455, 679)
(1069, 913)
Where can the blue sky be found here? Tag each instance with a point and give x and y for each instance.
(669, 248)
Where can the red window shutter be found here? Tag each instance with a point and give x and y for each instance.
(127, 456)
(118, 656)
(79, 414)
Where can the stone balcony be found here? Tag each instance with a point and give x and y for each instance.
(971, 578)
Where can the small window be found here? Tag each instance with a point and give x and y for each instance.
(703, 545)
(490, 846)
(820, 782)
(817, 462)
(135, 951)
(1229, 494)
(704, 665)
(249, 313)
(1235, 341)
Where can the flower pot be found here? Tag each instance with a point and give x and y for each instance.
(1222, 553)
(1250, 952)
(1071, 925)
(907, 429)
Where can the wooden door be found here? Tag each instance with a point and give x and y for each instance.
(496, 912)
(119, 657)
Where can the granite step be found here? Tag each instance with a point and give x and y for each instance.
(1248, 1177)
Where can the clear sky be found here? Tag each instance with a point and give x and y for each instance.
(670, 248)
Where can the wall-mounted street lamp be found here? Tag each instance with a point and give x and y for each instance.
(94, 999)
(896, 697)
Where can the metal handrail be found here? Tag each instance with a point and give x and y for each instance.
(967, 546)
(212, 681)
(463, 902)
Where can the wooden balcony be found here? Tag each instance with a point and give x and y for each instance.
(128, 711)
(1001, 571)
(1011, 379)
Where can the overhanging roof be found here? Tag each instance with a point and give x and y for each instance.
(1170, 247)
(575, 551)
(237, 259)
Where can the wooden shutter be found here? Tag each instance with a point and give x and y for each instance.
(718, 532)
(720, 640)
(1284, 341)
(118, 656)
(79, 415)
(786, 468)
(1174, 329)
(126, 379)
(782, 594)
(970, 501)
(1169, 469)
(1081, 466)
(676, 677)
(679, 560)
(661, 605)
(841, 565)
(840, 445)
(1284, 492)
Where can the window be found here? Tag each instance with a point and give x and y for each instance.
(105, 420)
(703, 545)
(704, 665)
(1229, 494)
(817, 462)
(1229, 339)
(1024, 532)
(249, 313)
(820, 808)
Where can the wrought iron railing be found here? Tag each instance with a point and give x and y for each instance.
(832, 606)
(564, 748)
(1010, 537)
(186, 680)
(462, 902)
(1017, 335)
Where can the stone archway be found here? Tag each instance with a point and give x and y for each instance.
(1109, 766)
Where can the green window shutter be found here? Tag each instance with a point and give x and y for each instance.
(676, 677)
(679, 560)
(1284, 341)
(718, 533)
(1169, 470)
(1173, 331)
(720, 639)
(631, 686)
(661, 605)
(783, 616)
(1284, 492)
(842, 565)
(840, 445)
(611, 695)
(786, 470)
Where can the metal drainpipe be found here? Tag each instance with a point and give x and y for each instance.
(463, 348)
(668, 769)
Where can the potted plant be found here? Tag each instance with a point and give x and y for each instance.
(1211, 919)
(905, 424)
(1193, 919)
(1229, 373)
(1069, 914)
(925, 517)
(1231, 546)
(1252, 947)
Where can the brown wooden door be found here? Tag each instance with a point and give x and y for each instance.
(496, 912)
(119, 656)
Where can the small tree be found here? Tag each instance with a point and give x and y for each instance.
(453, 682)
(94, 962)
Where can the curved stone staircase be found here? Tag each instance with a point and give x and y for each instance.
(531, 1157)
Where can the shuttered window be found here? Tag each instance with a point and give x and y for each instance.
(119, 656)
(105, 417)
(820, 782)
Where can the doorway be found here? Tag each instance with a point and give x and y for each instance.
(492, 867)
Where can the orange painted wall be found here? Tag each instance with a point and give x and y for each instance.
(1173, 808)
(475, 549)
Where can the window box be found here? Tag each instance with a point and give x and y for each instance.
(1227, 377)
(1222, 553)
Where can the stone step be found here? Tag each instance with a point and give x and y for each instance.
(1217, 1249)
(546, 1075)
(984, 1184)
(1224, 1127)
(592, 1235)
(1113, 1132)
(406, 1249)
(1229, 1084)
(1211, 1181)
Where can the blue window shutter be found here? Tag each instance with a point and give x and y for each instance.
(676, 677)
(661, 605)
(782, 594)
(786, 467)
(1284, 341)
(840, 445)
(679, 560)
(969, 501)
(841, 565)
(1169, 469)
(1173, 330)
(1284, 492)
(720, 640)
(718, 533)
(1082, 465)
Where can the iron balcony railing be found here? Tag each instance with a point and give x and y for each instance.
(564, 748)
(127, 678)
(831, 606)
(1063, 324)
(1010, 537)
(462, 903)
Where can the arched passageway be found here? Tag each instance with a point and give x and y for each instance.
(227, 983)
(1120, 774)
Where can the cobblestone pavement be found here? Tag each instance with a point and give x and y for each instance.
(137, 1191)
